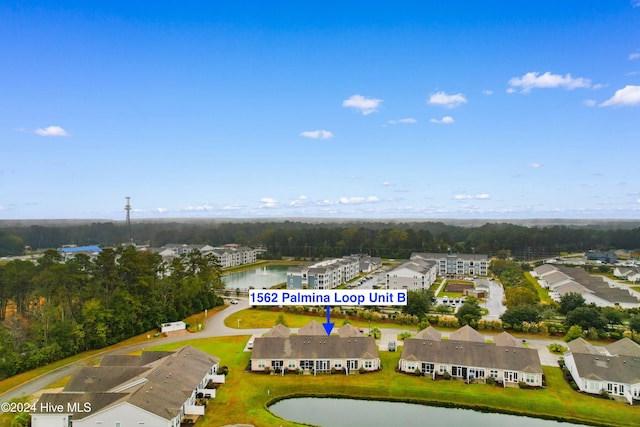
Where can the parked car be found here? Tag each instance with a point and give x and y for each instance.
(234, 301)
(391, 346)
(250, 343)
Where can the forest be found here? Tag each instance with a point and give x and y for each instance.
(53, 309)
(319, 240)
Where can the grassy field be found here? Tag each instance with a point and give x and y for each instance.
(543, 294)
(245, 396)
(255, 318)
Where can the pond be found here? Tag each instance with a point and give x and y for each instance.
(365, 413)
(261, 277)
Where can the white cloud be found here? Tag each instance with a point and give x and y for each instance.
(534, 80)
(160, 210)
(483, 196)
(296, 203)
(534, 165)
(627, 96)
(358, 200)
(511, 90)
(487, 92)
(633, 56)
(51, 131)
(635, 3)
(317, 134)
(589, 102)
(407, 120)
(363, 104)
(386, 184)
(448, 101)
(446, 120)
(267, 202)
(201, 208)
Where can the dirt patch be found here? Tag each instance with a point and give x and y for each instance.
(457, 287)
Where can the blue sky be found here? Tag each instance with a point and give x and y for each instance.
(420, 109)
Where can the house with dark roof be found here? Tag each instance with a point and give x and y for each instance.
(154, 389)
(466, 355)
(313, 351)
(614, 368)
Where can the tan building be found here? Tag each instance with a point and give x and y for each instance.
(466, 355)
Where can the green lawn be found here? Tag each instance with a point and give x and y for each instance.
(543, 294)
(252, 318)
(245, 396)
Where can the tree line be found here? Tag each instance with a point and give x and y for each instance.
(52, 309)
(320, 240)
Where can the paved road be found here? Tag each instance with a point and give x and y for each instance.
(494, 300)
(215, 327)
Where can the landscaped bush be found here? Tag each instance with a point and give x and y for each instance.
(361, 370)
(404, 335)
(446, 376)
(267, 370)
(490, 381)
(224, 370)
(417, 372)
(557, 348)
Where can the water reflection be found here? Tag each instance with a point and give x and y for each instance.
(261, 277)
(364, 413)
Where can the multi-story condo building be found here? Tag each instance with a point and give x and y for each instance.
(456, 264)
(325, 274)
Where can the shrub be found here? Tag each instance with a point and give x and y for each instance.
(333, 370)
(604, 394)
(574, 385)
(361, 370)
(404, 335)
(491, 381)
(557, 348)
(267, 370)
(417, 372)
(224, 370)
(446, 376)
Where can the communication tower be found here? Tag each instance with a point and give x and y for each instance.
(127, 208)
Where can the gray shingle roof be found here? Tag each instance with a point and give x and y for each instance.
(472, 354)
(620, 369)
(429, 333)
(348, 330)
(315, 347)
(468, 334)
(278, 331)
(161, 387)
(313, 328)
(624, 347)
(579, 345)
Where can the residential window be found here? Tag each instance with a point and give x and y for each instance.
(428, 368)
(530, 378)
(443, 369)
(292, 364)
(261, 364)
(368, 364)
(411, 366)
(494, 374)
(337, 364)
